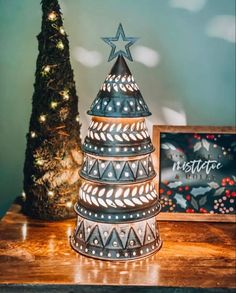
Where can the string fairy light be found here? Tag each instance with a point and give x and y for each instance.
(53, 131)
(23, 196)
(60, 45)
(50, 193)
(46, 70)
(39, 162)
(77, 119)
(65, 94)
(53, 105)
(52, 16)
(69, 204)
(42, 118)
(32, 134)
(61, 30)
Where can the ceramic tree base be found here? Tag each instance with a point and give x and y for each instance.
(125, 241)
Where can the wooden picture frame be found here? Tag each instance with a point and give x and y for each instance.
(198, 131)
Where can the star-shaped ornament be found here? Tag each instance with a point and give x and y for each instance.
(117, 43)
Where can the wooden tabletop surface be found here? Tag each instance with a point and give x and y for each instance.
(194, 254)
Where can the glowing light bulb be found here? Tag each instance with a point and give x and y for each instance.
(65, 94)
(39, 162)
(52, 16)
(32, 134)
(50, 193)
(45, 71)
(62, 31)
(23, 195)
(66, 97)
(42, 118)
(69, 204)
(53, 105)
(60, 45)
(47, 68)
(77, 118)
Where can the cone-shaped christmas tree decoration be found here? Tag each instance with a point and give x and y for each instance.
(118, 203)
(53, 153)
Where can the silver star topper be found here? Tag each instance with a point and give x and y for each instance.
(118, 41)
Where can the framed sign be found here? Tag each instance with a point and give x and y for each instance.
(196, 167)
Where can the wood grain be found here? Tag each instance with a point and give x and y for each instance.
(166, 216)
(157, 130)
(193, 255)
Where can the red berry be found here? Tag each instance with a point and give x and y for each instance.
(186, 188)
(188, 197)
(223, 183)
(231, 182)
(169, 192)
(227, 191)
(227, 179)
(180, 188)
(233, 194)
(161, 191)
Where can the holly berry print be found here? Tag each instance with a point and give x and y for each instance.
(198, 173)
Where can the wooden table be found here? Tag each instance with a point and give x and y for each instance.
(194, 254)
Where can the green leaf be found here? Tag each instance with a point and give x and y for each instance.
(214, 185)
(219, 191)
(194, 203)
(202, 201)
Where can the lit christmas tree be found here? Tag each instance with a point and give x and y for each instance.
(118, 202)
(53, 153)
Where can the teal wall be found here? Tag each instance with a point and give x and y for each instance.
(188, 78)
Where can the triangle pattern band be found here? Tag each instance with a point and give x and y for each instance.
(95, 238)
(116, 237)
(117, 171)
(114, 241)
